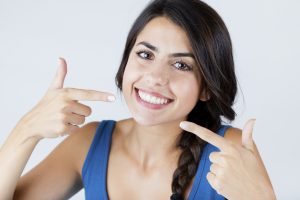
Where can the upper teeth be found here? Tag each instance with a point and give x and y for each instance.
(151, 99)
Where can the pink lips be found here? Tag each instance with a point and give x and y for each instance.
(150, 105)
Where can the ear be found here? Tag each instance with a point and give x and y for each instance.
(204, 95)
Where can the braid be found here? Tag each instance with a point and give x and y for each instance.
(192, 147)
(188, 161)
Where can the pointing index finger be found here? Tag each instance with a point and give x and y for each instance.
(205, 134)
(88, 95)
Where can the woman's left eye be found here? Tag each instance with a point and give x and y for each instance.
(182, 66)
(144, 55)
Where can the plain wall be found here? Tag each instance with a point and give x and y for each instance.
(91, 36)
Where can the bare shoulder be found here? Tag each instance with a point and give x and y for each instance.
(79, 142)
(85, 134)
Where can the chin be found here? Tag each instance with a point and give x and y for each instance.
(153, 121)
(146, 122)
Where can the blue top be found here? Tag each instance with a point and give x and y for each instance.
(94, 169)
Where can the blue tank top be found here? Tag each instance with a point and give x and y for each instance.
(94, 170)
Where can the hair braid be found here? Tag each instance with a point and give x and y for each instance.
(192, 147)
(188, 161)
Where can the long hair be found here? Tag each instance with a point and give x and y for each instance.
(212, 47)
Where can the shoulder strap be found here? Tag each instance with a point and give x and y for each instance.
(201, 189)
(94, 169)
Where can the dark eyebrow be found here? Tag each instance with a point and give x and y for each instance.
(153, 48)
(150, 46)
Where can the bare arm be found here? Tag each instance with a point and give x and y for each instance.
(54, 178)
(14, 155)
(59, 175)
(58, 113)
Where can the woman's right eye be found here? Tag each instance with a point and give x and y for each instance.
(144, 55)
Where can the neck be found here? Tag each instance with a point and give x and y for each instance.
(151, 146)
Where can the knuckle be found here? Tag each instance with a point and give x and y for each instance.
(65, 106)
(63, 103)
(218, 184)
(82, 120)
(214, 170)
(89, 111)
(211, 156)
(221, 174)
(222, 160)
(77, 119)
(60, 128)
(73, 128)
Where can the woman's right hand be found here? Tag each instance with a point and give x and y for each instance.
(59, 112)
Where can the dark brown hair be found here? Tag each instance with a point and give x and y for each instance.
(211, 45)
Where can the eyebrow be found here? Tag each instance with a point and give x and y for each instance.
(153, 48)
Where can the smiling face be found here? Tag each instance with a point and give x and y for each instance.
(161, 81)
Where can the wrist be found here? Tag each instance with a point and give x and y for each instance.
(22, 135)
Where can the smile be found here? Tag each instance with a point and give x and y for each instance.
(151, 100)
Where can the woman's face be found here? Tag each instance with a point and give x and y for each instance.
(161, 82)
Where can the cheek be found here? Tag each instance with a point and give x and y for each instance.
(187, 89)
(131, 74)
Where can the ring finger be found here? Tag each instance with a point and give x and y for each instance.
(214, 168)
(75, 119)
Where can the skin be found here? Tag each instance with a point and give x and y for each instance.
(143, 147)
(237, 171)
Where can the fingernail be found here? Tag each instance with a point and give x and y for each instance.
(59, 60)
(183, 125)
(111, 98)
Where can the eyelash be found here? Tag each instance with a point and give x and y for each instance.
(186, 68)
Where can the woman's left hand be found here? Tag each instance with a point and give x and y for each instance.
(236, 172)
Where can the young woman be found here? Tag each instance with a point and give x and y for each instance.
(178, 80)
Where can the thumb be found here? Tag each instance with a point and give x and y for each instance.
(58, 81)
(247, 140)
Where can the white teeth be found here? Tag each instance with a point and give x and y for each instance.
(152, 99)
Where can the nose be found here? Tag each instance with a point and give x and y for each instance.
(157, 76)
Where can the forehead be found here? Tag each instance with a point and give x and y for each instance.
(163, 33)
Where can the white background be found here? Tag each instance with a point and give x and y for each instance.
(91, 36)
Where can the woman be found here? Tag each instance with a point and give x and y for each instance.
(177, 69)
